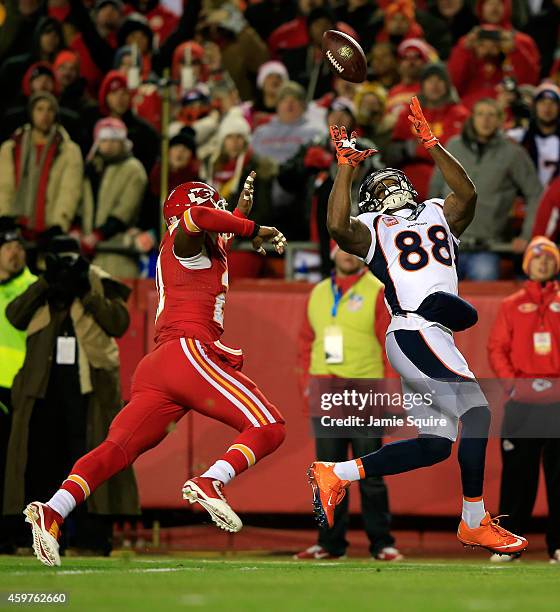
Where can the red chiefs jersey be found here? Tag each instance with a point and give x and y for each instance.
(191, 300)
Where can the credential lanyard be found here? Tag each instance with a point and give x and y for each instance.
(337, 296)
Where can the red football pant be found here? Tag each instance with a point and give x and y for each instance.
(178, 376)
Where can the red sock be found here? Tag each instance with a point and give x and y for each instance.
(253, 444)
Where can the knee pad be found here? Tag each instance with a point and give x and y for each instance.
(435, 448)
(476, 422)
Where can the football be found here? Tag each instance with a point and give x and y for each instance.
(344, 56)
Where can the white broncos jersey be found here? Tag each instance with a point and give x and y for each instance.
(413, 253)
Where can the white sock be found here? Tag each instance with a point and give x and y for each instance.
(62, 502)
(473, 512)
(221, 470)
(347, 470)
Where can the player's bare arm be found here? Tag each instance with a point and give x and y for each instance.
(460, 204)
(348, 232)
(189, 236)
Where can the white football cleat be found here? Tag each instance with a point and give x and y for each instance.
(45, 524)
(208, 493)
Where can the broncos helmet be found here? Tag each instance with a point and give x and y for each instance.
(397, 194)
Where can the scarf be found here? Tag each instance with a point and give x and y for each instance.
(32, 176)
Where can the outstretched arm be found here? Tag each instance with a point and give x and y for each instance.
(349, 233)
(460, 204)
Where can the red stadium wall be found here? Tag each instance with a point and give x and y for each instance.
(264, 318)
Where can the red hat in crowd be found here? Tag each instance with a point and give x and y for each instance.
(418, 47)
(66, 57)
(35, 70)
(197, 54)
(113, 81)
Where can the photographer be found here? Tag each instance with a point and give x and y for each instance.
(68, 390)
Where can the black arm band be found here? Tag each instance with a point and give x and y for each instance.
(255, 232)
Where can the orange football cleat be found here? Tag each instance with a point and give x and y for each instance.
(328, 491)
(491, 536)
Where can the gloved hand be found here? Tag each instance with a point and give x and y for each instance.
(318, 158)
(420, 125)
(346, 152)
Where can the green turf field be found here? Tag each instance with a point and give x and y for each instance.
(221, 584)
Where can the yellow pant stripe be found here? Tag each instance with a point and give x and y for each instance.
(245, 450)
(223, 382)
(81, 483)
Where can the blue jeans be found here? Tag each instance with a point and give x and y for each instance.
(483, 266)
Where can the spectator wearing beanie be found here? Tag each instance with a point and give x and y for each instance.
(73, 92)
(41, 172)
(114, 185)
(232, 162)
(40, 77)
(446, 117)
(524, 352)
(115, 101)
(272, 75)
(46, 43)
(183, 165)
(289, 129)
(135, 30)
(413, 55)
(481, 58)
(542, 138)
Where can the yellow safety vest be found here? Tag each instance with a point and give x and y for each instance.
(355, 315)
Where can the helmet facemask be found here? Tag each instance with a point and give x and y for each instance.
(386, 190)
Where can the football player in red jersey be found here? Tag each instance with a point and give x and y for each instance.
(189, 369)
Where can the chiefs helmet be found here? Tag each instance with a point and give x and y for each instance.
(193, 193)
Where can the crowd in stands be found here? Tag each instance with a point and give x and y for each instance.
(83, 115)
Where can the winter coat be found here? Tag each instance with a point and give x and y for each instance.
(97, 318)
(64, 187)
(500, 169)
(120, 195)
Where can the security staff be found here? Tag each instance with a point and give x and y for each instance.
(524, 351)
(343, 336)
(15, 277)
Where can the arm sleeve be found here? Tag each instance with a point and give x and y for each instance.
(199, 219)
(459, 66)
(20, 311)
(499, 345)
(525, 60)
(381, 323)
(527, 180)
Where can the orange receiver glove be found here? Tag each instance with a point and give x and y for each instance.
(346, 152)
(420, 125)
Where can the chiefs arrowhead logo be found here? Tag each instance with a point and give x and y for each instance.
(199, 195)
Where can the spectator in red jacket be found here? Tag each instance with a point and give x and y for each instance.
(524, 350)
(413, 55)
(446, 117)
(547, 221)
(481, 59)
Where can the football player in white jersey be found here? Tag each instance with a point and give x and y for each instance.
(412, 248)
